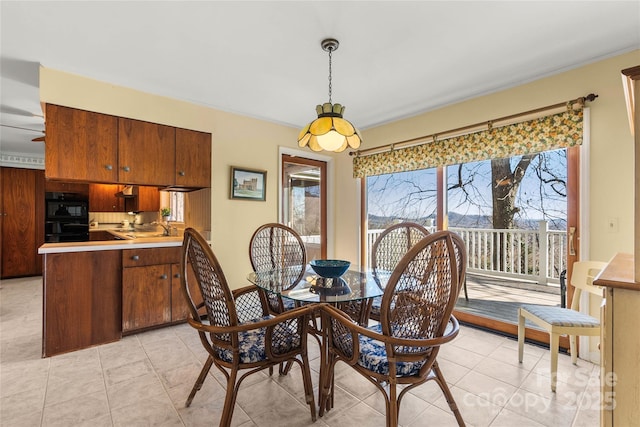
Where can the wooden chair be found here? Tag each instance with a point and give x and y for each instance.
(564, 321)
(388, 249)
(276, 246)
(237, 331)
(415, 320)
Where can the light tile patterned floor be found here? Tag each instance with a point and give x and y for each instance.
(144, 379)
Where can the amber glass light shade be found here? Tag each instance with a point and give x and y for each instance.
(329, 132)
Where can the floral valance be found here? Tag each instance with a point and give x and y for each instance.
(546, 133)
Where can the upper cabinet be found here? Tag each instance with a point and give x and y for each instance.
(193, 159)
(93, 147)
(102, 198)
(80, 145)
(146, 152)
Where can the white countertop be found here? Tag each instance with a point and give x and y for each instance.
(126, 242)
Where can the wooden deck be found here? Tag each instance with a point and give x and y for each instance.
(499, 298)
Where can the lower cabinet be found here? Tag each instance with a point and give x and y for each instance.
(179, 306)
(146, 297)
(151, 288)
(82, 298)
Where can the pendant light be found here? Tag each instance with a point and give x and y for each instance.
(330, 132)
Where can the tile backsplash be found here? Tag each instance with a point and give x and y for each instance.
(104, 218)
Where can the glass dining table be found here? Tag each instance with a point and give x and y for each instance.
(352, 292)
(356, 284)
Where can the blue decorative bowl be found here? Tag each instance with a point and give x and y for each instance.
(329, 267)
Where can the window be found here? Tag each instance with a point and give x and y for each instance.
(174, 200)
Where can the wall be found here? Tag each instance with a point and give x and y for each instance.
(236, 140)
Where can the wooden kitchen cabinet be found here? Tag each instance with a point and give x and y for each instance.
(51, 186)
(146, 199)
(146, 153)
(80, 145)
(179, 307)
(21, 221)
(147, 287)
(146, 297)
(102, 198)
(82, 300)
(193, 159)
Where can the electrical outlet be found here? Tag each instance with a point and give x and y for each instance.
(612, 225)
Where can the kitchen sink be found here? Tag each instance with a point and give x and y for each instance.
(134, 234)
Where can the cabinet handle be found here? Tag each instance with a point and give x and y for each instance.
(126, 168)
(177, 276)
(163, 277)
(108, 167)
(181, 173)
(135, 257)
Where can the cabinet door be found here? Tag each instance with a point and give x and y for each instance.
(102, 198)
(146, 152)
(146, 296)
(82, 300)
(148, 199)
(179, 306)
(22, 221)
(193, 158)
(80, 145)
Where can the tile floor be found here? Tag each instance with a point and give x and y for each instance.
(144, 379)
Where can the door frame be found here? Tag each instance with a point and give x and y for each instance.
(330, 196)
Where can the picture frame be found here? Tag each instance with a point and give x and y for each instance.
(248, 184)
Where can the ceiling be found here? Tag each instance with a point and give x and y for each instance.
(263, 59)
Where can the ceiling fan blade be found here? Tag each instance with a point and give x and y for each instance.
(21, 128)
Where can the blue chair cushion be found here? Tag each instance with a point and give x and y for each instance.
(373, 356)
(251, 344)
(558, 316)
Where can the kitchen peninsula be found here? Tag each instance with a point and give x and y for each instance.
(97, 291)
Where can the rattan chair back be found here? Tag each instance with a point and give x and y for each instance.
(276, 246)
(393, 243)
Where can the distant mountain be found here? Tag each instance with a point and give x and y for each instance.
(458, 220)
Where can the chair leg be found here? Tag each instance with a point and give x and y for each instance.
(393, 411)
(229, 399)
(466, 295)
(198, 385)
(439, 378)
(573, 349)
(308, 386)
(520, 335)
(553, 346)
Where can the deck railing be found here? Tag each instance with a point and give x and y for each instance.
(537, 255)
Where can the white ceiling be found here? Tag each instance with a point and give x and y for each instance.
(263, 58)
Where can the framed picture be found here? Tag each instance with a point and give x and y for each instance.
(248, 184)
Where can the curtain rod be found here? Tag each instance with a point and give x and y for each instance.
(489, 123)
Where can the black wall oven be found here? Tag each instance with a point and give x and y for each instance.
(67, 217)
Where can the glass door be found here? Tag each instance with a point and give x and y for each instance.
(304, 202)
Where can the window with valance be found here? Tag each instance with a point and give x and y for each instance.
(532, 136)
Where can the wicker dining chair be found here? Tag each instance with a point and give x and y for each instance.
(388, 249)
(415, 320)
(237, 331)
(276, 246)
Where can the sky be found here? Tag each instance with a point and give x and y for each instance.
(413, 194)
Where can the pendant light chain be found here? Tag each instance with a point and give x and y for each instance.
(330, 51)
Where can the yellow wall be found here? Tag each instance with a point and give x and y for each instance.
(236, 140)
